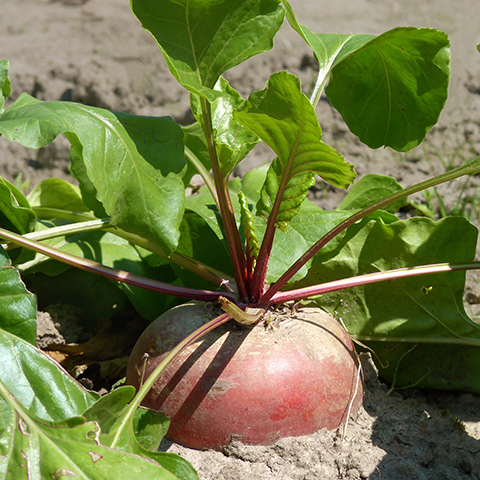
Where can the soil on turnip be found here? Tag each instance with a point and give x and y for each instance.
(93, 51)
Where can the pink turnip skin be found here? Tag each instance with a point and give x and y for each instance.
(288, 377)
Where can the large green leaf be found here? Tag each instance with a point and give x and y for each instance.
(38, 383)
(117, 423)
(426, 309)
(33, 448)
(136, 164)
(25, 371)
(391, 91)
(282, 117)
(41, 433)
(201, 39)
(18, 313)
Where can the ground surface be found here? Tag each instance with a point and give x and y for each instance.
(93, 51)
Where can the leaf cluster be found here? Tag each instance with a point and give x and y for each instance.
(256, 241)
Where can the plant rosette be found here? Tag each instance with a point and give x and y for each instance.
(261, 363)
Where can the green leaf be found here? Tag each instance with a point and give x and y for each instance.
(282, 117)
(119, 427)
(433, 366)
(201, 242)
(150, 427)
(15, 211)
(329, 48)
(233, 141)
(26, 372)
(426, 309)
(305, 229)
(18, 313)
(5, 86)
(368, 190)
(87, 188)
(108, 408)
(201, 39)
(57, 193)
(136, 164)
(391, 91)
(34, 448)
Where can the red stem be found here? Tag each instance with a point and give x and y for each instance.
(469, 169)
(336, 285)
(232, 234)
(116, 274)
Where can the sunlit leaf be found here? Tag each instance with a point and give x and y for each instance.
(282, 116)
(34, 448)
(56, 192)
(135, 164)
(15, 211)
(201, 39)
(18, 311)
(391, 91)
(38, 383)
(328, 48)
(425, 309)
(117, 429)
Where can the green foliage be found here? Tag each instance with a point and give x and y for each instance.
(282, 117)
(370, 188)
(55, 193)
(17, 305)
(233, 141)
(63, 430)
(426, 310)
(134, 163)
(129, 220)
(15, 211)
(34, 448)
(203, 39)
(391, 90)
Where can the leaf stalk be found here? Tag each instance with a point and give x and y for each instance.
(114, 273)
(336, 285)
(470, 168)
(225, 206)
(150, 381)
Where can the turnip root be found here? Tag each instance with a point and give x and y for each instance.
(290, 375)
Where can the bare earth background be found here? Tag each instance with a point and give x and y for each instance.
(94, 52)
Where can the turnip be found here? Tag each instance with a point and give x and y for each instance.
(263, 354)
(290, 374)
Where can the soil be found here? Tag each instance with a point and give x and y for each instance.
(93, 51)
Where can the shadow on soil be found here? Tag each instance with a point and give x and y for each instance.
(424, 433)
